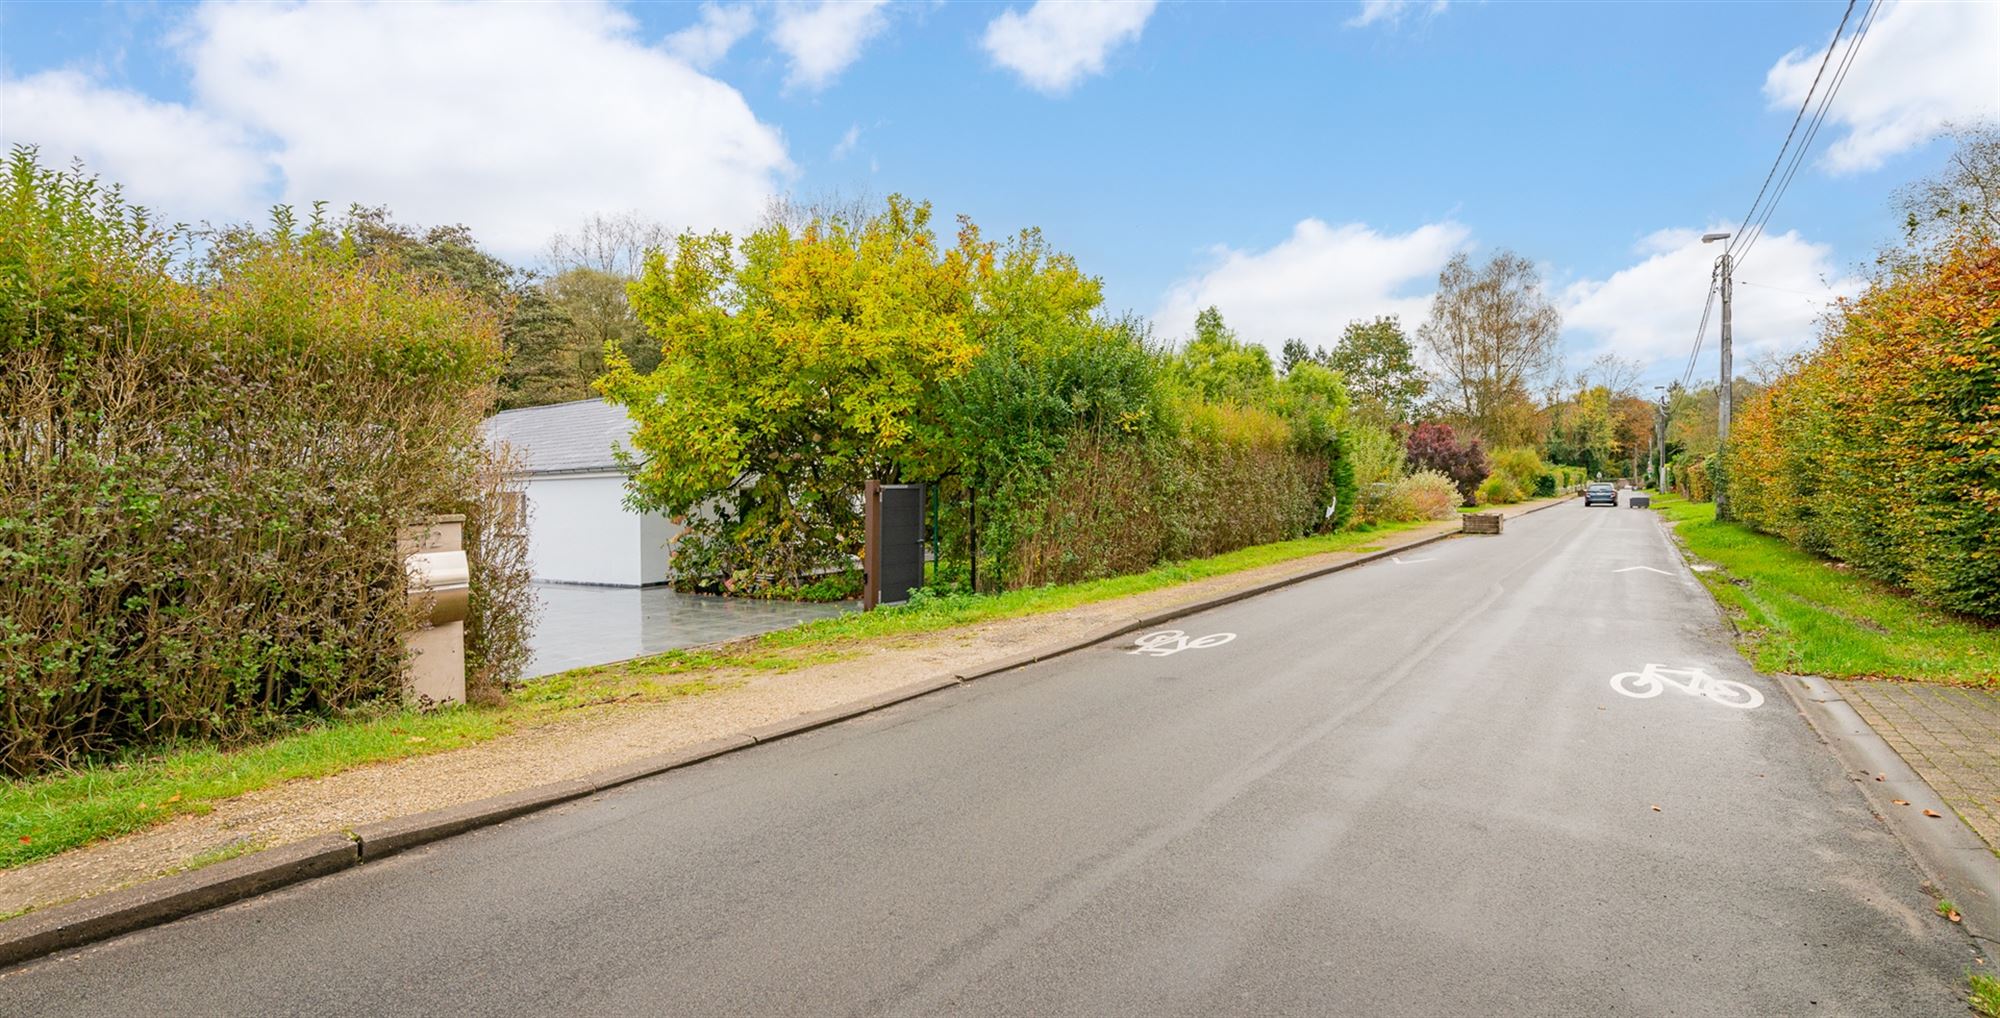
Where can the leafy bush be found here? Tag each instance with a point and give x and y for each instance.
(1520, 465)
(1424, 495)
(1434, 446)
(1499, 489)
(1883, 447)
(1377, 454)
(206, 467)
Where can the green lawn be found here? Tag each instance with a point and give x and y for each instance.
(47, 815)
(1808, 615)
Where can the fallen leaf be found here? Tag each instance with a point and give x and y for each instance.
(1900, 802)
(1953, 915)
(1933, 813)
(1656, 809)
(1881, 777)
(414, 738)
(176, 797)
(25, 839)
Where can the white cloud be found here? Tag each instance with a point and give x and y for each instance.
(1391, 11)
(1059, 42)
(822, 40)
(845, 146)
(707, 41)
(1920, 66)
(1648, 311)
(517, 120)
(1314, 282)
(182, 162)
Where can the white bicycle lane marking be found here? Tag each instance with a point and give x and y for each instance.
(1656, 679)
(1173, 641)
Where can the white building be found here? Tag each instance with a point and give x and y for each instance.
(579, 530)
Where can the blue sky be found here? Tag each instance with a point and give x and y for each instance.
(1297, 164)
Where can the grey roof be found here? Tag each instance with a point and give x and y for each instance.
(563, 438)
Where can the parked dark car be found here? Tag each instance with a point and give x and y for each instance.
(1601, 493)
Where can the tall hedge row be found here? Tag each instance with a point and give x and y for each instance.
(203, 469)
(1882, 448)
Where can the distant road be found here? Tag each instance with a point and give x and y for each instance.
(1408, 788)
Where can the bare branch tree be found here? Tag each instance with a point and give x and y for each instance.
(1492, 338)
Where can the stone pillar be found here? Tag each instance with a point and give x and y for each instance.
(440, 588)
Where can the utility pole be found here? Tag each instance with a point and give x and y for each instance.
(1660, 437)
(1727, 395)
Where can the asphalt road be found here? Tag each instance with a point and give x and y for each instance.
(1408, 788)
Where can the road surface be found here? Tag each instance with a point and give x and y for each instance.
(1408, 788)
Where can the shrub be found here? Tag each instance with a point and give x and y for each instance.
(1424, 495)
(1377, 454)
(205, 469)
(1883, 447)
(1499, 489)
(1434, 446)
(1519, 464)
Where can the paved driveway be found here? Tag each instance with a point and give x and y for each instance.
(581, 626)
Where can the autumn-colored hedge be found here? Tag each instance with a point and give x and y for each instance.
(1882, 448)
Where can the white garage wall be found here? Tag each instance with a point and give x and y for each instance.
(579, 531)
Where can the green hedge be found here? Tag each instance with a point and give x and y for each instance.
(205, 468)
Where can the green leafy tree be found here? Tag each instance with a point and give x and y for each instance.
(1380, 369)
(794, 368)
(1222, 368)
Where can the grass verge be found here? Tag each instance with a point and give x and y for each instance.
(1800, 613)
(51, 814)
(54, 813)
(1984, 997)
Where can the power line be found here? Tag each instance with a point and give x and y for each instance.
(1795, 121)
(1812, 129)
(1702, 329)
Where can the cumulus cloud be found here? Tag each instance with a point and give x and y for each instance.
(822, 40)
(1314, 282)
(1390, 12)
(516, 120)
(707, 41)
(1921, 66)
(1648, 311)
(182, 162)
(1058, 43)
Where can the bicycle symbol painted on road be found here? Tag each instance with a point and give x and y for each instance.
(1173, 641)
(1655, 679)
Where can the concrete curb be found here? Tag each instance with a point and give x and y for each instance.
(170, 898)
(1949, 852)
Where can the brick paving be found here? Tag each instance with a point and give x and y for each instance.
(1948, 734)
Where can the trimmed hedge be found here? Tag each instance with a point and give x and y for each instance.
(204, 469)
(1882, 448)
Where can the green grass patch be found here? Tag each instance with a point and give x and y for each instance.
(1984, 997)
(50, 814)
(1800, 613)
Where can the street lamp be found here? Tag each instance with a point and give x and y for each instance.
(1727, 395)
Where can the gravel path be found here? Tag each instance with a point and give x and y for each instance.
(593, 739)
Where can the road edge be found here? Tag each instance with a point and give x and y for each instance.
(1947, 851)
(1949, 854)
(164, 900)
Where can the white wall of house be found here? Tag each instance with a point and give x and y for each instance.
(579, 531)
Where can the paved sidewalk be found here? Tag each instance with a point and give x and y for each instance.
(1948, 734)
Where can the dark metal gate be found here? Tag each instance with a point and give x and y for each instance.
(893, 557)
